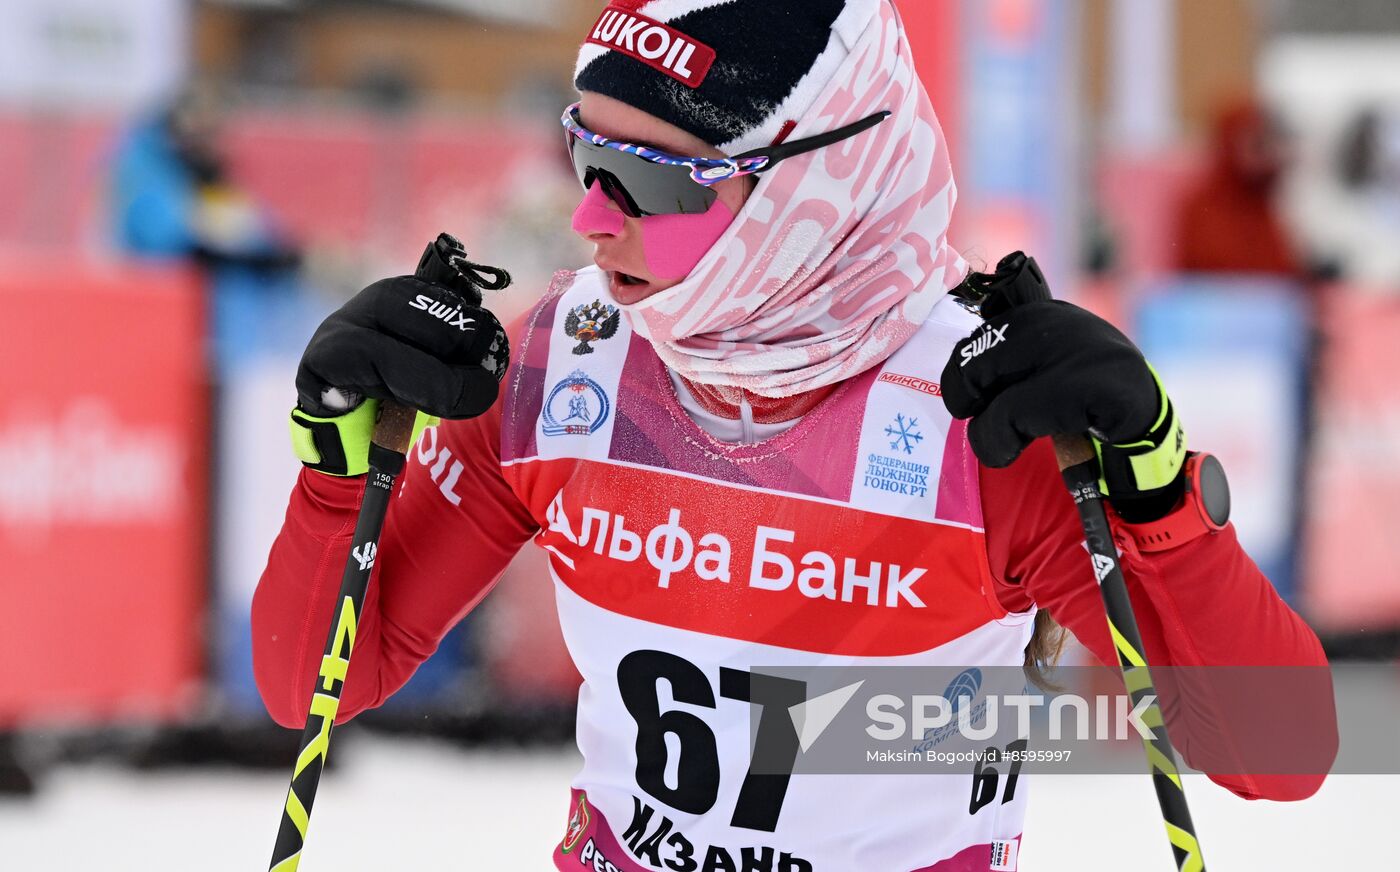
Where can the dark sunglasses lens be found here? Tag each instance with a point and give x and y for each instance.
(619, 195)
(649, 188)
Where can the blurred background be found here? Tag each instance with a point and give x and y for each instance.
(187, 188)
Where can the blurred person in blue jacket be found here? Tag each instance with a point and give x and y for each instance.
(172, 196)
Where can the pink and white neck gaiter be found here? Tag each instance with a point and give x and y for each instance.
(838, 256)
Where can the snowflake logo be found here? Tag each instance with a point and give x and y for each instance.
(904, 433)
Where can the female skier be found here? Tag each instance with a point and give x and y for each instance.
(730, 436)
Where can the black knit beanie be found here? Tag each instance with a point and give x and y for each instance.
(738, 74)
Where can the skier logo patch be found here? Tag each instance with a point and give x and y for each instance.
(578, 406)
(1004, 856)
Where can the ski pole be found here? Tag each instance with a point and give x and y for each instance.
(386, 461)
(387, 454)
(1080, 468)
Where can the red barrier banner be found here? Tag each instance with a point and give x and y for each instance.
(1352, 550)
(102, 497)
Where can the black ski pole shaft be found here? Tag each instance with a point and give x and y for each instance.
(386, 460)
(392, 434)
(1079, 466)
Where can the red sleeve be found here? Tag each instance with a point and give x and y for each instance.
(1204, 604)
(451, 530)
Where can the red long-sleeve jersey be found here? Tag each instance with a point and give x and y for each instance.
(466, 506)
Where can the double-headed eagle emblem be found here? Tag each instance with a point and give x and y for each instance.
(591, 322)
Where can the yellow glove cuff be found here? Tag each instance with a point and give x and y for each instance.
(1149, 464)
(340, 446)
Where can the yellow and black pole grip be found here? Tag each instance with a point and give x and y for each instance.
(1080, 468)
(393, 434)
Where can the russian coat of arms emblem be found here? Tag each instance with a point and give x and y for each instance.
(590, 323)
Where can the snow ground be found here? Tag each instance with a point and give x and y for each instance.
(415, 805)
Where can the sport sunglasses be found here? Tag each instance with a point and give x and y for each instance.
(645, 181)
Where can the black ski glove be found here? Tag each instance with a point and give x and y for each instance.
(1040, 367)
(427, 346)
